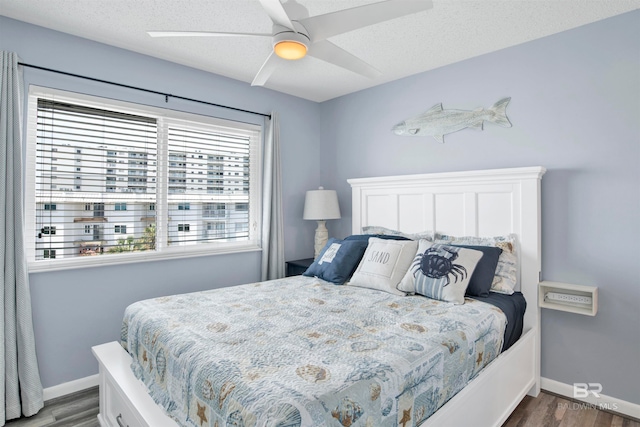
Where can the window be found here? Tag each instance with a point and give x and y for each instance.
(134, 170)
(48, 230)
(214, 210)
(98, 210)
(215, 226)
(49, 253)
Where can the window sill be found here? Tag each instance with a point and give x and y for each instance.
(116, 259)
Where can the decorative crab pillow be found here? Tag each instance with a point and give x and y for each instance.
(441, 272)
(506, 275)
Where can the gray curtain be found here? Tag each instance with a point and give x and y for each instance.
(272, 217)
(21, 390)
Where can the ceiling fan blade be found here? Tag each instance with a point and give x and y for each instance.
(277, 13)
(333, 54)
(321, 27)
(203, 34)
(266, 70)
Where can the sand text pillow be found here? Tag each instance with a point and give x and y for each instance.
(384, 264)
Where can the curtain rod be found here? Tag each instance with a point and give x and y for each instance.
(166, 95)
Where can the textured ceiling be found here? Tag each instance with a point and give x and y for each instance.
(452, 31)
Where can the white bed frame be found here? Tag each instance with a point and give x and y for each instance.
(475, 203)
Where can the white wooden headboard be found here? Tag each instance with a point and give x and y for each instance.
(482, 203)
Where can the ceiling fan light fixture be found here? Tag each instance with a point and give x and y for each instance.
(289, 49)
(290, 45)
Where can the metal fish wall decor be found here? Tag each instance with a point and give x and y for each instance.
(437, 122)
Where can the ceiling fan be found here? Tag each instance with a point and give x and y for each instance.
(295, 34)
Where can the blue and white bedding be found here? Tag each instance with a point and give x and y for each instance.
(304, 352)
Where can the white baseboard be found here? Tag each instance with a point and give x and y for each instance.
(606, 403)
(71, 387)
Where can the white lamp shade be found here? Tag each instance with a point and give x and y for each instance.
(321, 204)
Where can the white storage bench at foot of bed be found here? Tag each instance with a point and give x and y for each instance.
(486, 401)
(124, 401)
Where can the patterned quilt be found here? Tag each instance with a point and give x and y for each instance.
(304, 352)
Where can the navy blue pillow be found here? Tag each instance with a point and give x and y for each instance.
(482, 277)
(379, 236)
(337, 260)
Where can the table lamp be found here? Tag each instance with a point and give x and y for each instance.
(321, 205)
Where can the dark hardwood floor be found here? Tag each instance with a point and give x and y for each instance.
(550, 410)
(74, 410)
(547, 410)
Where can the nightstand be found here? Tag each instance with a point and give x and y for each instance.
(298, 266)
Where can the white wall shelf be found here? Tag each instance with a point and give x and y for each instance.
(589, 309)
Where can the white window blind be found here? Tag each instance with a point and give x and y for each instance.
(109, 178)
(209, 183)
(91, 162)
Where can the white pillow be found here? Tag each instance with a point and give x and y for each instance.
(384, 264)
(441, 272)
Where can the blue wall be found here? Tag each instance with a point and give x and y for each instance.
(575, 110)
(76, 309)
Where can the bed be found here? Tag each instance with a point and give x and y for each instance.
(378, 330)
